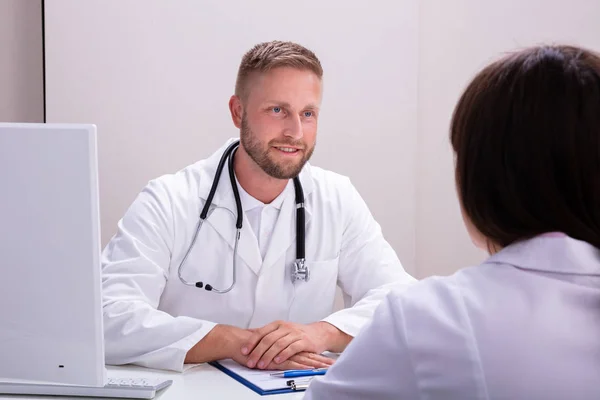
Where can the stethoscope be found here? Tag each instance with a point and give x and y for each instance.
(300, 270)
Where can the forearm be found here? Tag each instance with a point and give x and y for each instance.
(222, 342)
(137, 333)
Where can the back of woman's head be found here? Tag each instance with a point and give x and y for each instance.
(526, 134)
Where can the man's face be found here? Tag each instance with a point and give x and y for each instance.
(279, 121)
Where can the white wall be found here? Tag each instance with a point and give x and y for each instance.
(156, 77)
(456, 39)
(21, 61)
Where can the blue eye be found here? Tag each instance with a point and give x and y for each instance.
(276, 110)
(308, 114)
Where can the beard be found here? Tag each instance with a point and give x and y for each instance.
(259, 153)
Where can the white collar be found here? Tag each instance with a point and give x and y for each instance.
(551, 252)
(249, 202)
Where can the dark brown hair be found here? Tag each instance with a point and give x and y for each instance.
(268, 55)
(526, 135)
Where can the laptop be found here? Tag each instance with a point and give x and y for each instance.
(51, 327)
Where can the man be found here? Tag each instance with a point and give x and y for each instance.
(154, 315)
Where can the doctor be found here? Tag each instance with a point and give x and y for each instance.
(179, 292)
(525, 324)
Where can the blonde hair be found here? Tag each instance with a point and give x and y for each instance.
(268, 55)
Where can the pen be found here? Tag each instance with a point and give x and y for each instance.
(294, 373)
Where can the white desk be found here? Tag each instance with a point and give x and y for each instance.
(199, 382)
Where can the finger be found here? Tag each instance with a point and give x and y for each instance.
(275, 349)
(308, 361)
(320, 358)
(289, 365)
(257, 335)
(264, 345)
(315, 358)
(293, 348)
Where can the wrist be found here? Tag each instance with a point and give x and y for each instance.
(232, 340)
(220, 343)
(334, 339)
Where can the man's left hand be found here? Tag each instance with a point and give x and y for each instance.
(280, 340)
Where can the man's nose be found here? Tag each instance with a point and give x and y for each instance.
(294, 128)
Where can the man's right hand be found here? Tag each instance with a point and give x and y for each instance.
(225, 341)
(303, 360)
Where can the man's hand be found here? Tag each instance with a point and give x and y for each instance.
(278, 341)
(224, 341)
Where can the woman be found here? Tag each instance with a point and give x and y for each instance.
(525, 324)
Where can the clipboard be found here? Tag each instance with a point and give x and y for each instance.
(259, 381)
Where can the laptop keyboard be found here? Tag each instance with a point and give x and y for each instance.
(122, 382)
(118, 387)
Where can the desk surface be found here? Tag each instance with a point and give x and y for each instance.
(197, 382)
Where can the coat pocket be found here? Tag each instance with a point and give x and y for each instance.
(315, 299)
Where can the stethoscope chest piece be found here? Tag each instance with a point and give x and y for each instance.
(301, 271)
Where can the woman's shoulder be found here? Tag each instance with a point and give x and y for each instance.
(445, 302)
(436, 288)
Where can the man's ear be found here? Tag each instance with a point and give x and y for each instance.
(236, 109)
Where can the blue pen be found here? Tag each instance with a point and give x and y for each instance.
(295, 373)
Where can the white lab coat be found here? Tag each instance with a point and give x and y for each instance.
(523, 325)
(152, 319)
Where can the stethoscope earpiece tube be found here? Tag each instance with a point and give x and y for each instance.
(236, 193)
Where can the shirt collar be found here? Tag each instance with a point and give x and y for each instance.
(551, 252)
(250, 203)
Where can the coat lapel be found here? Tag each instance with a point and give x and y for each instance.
(223, 221)
(223, 213)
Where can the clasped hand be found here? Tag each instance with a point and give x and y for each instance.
(286, 345)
